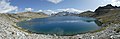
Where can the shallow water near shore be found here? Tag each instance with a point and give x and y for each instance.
(60, 25)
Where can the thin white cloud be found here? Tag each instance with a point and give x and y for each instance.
(49, 11)
(55, 1)
(6, 7)
(116, 0)
(113, 2)
(29, 9)
(71, 10)
(39, 10)
(60, 10)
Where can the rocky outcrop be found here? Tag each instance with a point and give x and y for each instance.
(105, 9)
(108, 14)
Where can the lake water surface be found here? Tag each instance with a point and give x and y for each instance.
(60, 25)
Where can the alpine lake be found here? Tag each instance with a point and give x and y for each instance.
(60, 25)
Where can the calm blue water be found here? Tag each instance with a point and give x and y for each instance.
(61, 25)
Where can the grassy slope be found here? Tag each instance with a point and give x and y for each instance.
(112, 16)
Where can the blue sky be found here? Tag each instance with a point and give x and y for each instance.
(52, 5)
(45, 5)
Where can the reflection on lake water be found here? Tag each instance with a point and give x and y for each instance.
(61, 25)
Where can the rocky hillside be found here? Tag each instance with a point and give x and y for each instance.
(105, 9)
(106, 14)
(26, 15)
(86, 14)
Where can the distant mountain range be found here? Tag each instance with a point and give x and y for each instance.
(106, 14)
(102, 10)
(64, 13)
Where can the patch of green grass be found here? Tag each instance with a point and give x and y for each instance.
(103, 28)
(22, 29)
